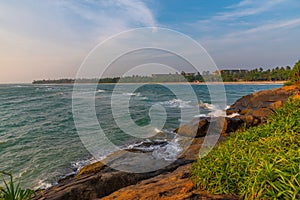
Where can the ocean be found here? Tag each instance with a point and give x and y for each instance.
(39, 141)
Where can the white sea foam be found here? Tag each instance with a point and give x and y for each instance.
(131, 146)
(144, 98)
(23, 171)
(131, 94)
(76, 166)
(42, 185)
(157, 130)
(176, 103)
(233, 115)
(201, 115)
(168, 152)
(208, 106)
(217, 113)
(19, 86)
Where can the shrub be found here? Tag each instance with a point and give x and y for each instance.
(12, 192)
(295, 75)
(259, 163)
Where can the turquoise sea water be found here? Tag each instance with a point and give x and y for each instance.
(39, 141)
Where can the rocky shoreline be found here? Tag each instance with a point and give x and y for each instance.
(96, 181)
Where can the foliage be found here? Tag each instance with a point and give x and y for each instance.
(295, 74)
(259, 163)
(60, 81)
(12, 191)
(257, 74)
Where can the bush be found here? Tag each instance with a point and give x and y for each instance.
(295, 75)
(259, 163)
(12, 192)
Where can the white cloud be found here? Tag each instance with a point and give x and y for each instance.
(49, 39)
(139, 11)
(106, 18)
(241, 4)
(237, 17)
(247, 8)
(267, 27)
(265, 45)
(247, 30)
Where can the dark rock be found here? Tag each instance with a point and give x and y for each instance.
(233, 124)
(256, 108)
(263, 99)
(196, 128)
(247, 120)
(200, 126)
(230, 111)
(263, 114)
(275, 105)
(103, 183)
(217, 125)
(176, 185)
(245, 111)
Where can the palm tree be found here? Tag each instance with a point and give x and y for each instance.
(295, 75)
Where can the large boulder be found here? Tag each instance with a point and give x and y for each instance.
(262, 114)
(98, 184)
(176, 185)
(234, 124)
(199, 127)
(195, 128)
(264, 99)
(254, 109)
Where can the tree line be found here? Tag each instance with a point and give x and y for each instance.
(257, 74)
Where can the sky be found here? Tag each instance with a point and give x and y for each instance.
(49, 39)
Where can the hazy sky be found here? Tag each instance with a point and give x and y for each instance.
(50, 39)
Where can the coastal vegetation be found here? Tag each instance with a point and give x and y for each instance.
(294, 75)
(258, 163)
(257, 74)
(10, 191)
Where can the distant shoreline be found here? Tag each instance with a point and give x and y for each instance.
(179, 83)
(246, 83)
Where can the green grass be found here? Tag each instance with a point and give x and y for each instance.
(262, 162)
(10, 191)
